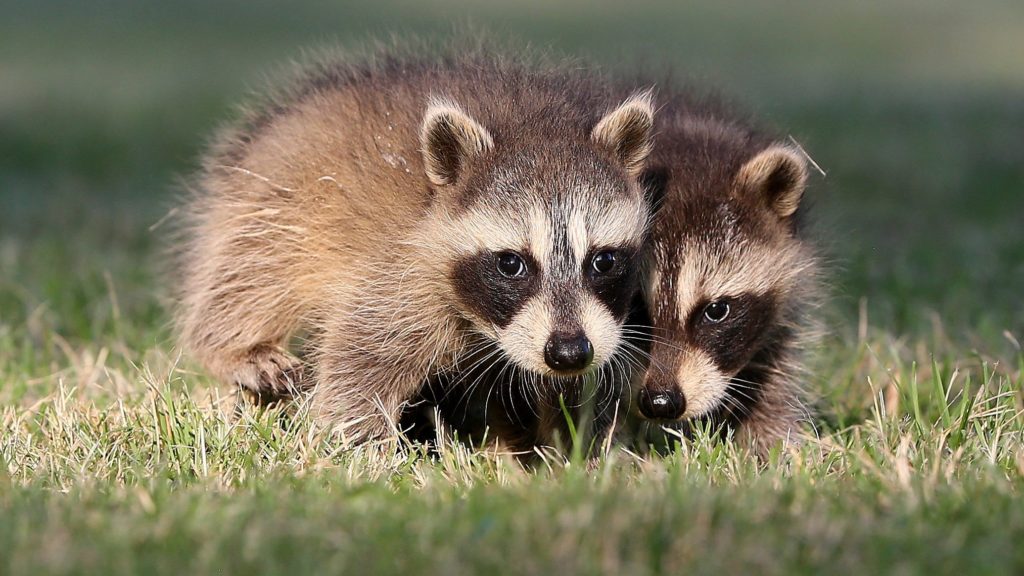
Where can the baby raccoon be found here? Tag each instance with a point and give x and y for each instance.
(411, 216)
(729, 282)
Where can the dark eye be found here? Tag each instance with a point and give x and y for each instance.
(716, 311)
(603, 262)
(511, 265)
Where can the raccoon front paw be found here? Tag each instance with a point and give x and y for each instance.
(364, 431)
(269, 374)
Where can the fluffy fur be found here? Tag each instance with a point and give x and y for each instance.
(366, 208)
(727, 229)
(727, 238)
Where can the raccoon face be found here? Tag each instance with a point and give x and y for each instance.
(542, 234)
(720, 276)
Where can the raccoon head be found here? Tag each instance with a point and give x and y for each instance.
(724, 281)
(540, 226)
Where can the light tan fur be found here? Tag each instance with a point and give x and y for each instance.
(762, 169)
(628, 130)
(336, 215)
(596, 321)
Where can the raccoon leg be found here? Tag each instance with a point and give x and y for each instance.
(236, 316)
(371, 363)
(360, 397)
(267, 376)
(265, 373)
(239, 334)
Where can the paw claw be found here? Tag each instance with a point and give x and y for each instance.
(270, 374)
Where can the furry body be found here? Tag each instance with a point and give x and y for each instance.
(731, 283)
(409, 214)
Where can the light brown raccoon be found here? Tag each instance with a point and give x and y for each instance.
(731, 280)
(411, 215)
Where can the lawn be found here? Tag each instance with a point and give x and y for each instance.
(118, 456)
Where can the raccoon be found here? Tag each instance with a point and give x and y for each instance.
(730, 280)
(410, 215)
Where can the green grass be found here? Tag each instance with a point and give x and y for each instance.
(116, 456)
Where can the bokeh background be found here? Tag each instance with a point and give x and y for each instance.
(915, 109)
(119, 456)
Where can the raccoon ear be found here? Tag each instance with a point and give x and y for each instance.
(448, 137)
(626, 131)
(779, 174)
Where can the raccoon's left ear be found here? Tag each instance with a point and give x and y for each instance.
(448, 138)
(626, 131)
(779, 175)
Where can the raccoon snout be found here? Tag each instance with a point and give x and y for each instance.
(662, 404)
(566, 352)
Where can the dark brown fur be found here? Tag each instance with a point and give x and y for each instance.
(727, 226)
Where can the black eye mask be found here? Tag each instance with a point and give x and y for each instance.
(733, 339)
(487, 291)
(616, 287)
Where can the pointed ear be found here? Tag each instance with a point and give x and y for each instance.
(779, 175)
(448, 137)
(626, 131)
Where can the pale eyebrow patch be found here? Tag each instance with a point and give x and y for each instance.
(756, 270)
(652, 285)
(479, 230)
(689, 285)
(617, 224)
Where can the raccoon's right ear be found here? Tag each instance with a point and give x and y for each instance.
(448, 137)
(626, 131)
(779, 175)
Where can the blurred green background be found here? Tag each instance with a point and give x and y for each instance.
(915, 109)
(114, 456)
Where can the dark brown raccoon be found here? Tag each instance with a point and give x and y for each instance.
(731, 280)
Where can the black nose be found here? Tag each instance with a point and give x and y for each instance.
(568, 352)
(662, 404)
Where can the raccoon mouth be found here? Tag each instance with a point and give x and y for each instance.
(544, 371)
(563, 375)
